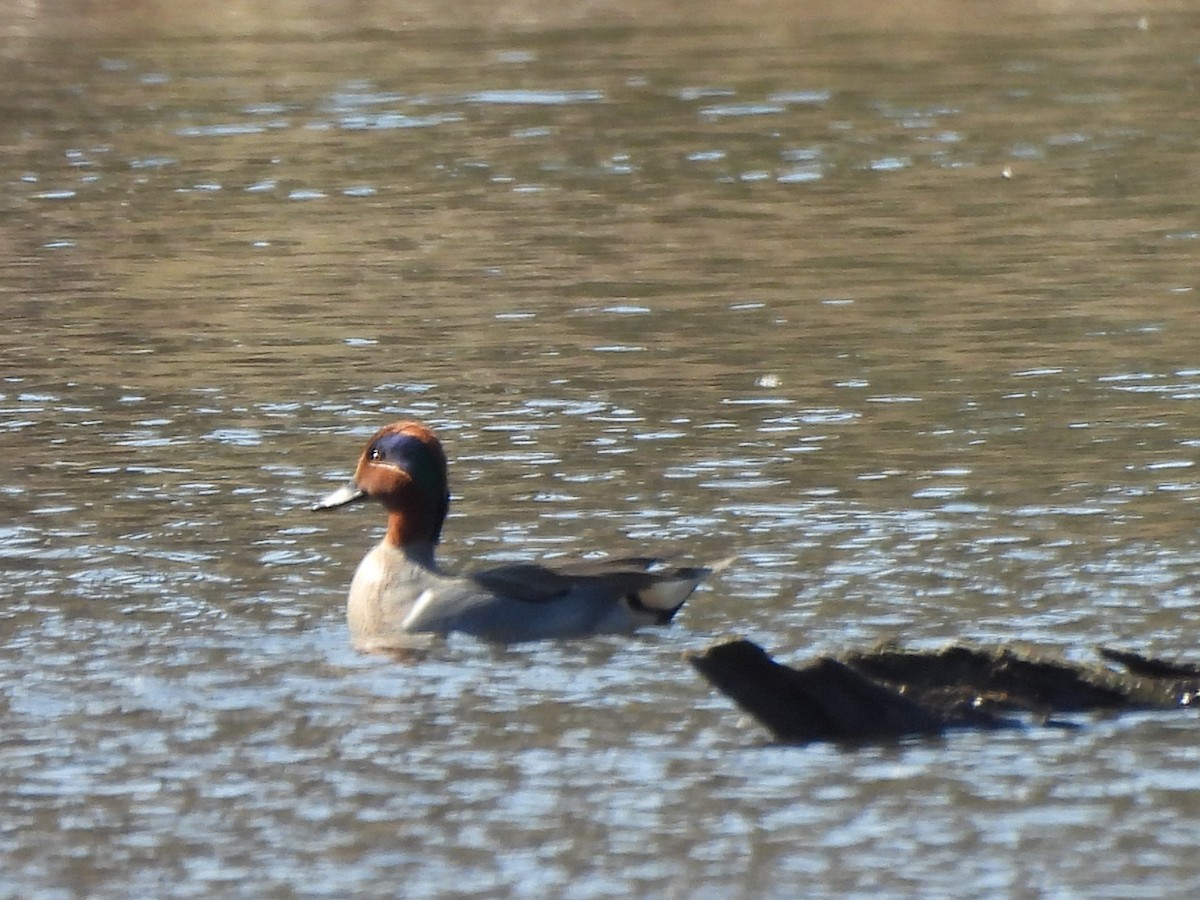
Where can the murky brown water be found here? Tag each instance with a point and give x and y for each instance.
(715, 280)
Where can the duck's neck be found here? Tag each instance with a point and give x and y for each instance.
(417, 545)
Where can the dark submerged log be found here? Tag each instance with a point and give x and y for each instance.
(824, 700)
(891, 691)
(1146, 665)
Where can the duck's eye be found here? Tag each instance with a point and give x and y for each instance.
(374, 453)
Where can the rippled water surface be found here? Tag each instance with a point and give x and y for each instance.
(901, 308)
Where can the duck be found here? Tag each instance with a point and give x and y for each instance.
(399, 591)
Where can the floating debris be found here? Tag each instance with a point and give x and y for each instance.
(890, 691)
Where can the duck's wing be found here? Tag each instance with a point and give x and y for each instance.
(529, 582)
(651, 588)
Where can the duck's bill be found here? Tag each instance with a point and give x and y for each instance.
(348, 493)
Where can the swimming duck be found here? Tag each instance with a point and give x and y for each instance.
(398, 589)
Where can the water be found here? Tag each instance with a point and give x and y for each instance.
(900, 308)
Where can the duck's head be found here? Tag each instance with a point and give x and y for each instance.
(403, 466)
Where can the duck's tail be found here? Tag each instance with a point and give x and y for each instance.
(669, 588)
